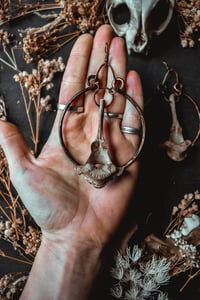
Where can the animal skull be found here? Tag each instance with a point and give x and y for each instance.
(139, 20)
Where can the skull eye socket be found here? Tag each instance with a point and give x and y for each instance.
(159, 15)
(121, 14)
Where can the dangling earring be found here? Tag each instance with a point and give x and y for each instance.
(176, 146)
(98, 169)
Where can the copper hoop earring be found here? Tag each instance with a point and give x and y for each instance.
(176, 146)
(99, 169)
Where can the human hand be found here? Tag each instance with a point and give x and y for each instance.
(77, 220)
(57, 198)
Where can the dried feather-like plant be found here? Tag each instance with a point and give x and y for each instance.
(137, 277)
(139, 273)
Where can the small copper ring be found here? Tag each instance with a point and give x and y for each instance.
(74, 108)
(131, 130)
(113, 115)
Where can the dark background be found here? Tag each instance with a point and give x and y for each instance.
(162, 182)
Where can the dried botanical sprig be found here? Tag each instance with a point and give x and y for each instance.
(181, 238)
(44, 41)
(139, 278)
(32, 86)
(86, 15)
(178, 247)
(12, 284)
(4, 9)
(189, 21)
(12, 10)
(47, 40)
(5, 38)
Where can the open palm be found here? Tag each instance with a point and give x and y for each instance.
(60, 201)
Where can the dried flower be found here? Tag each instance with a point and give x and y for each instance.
(140, 272)
(32, 85)
(5, 38)
(4, 9)
(11, 285)
(31, 240)
(189, 22)
(86, 16)
(138, 277)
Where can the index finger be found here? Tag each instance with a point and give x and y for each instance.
(76, 70)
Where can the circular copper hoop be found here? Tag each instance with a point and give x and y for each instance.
(131, 100)
(198, 114)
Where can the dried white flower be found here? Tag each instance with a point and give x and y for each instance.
(121, 260)
(163, 296)
(133, 293)
(155, 265)
(133, 275)
(135, 254)
(149, 284)
(139, 278)
(117, 272)
(189, 224)
(116, 291)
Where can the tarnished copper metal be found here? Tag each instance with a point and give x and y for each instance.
(99, 168)
(176, 146)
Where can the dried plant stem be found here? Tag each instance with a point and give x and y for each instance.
(3, 195)
(38, 119)
(7, 64)
(27, 104)
(175, 222)
(15, 259)
(5, 214)
(11, 63)
(172, 225)
(28, 9)
(190, 277)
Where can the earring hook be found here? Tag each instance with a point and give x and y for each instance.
(177, 86)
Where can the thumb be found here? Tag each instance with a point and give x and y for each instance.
(15, 147)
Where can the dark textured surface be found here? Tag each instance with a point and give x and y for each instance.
(162, 182)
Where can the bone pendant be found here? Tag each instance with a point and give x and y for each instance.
(99, 168)
(176, 145)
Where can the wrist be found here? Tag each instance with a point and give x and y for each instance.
(59, 268)
(78, 255)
